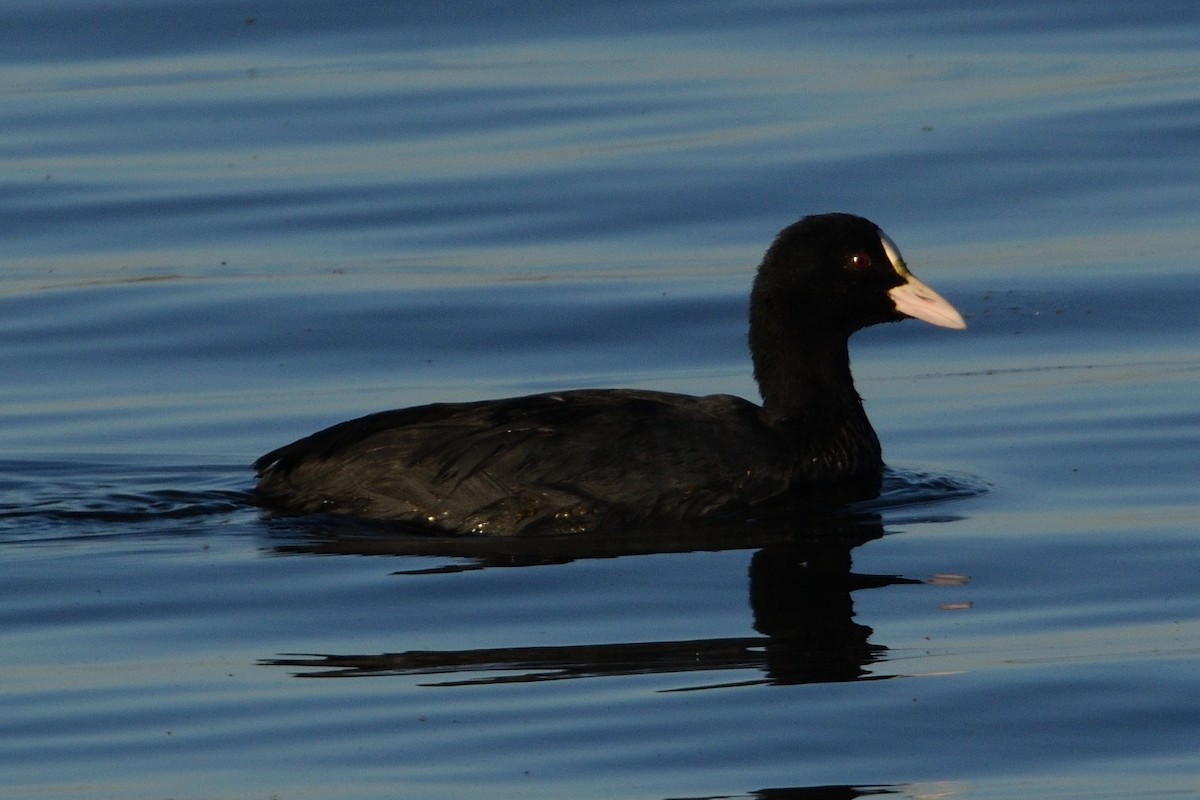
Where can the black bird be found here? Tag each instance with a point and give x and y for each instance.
(586, 460)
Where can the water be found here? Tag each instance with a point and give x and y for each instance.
(227, 226)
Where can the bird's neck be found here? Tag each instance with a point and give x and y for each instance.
(809, 397)
(806, 377)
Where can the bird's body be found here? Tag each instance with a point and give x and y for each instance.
(584, 460)
(514, 464)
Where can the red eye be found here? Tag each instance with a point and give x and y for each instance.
(859, 262)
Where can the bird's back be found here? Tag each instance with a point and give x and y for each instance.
(553, 463)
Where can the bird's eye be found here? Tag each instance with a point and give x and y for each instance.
(859, 262)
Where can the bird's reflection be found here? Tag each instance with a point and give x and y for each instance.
(800, 581)
(807, 793)
(907, 494)
(942, 790)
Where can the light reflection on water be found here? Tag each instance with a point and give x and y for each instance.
(221, 235)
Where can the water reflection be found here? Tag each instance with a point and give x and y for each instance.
(800, 585)
(908, 494)
(927, 791)
(807, 793)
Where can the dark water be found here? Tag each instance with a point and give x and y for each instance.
(227, 225)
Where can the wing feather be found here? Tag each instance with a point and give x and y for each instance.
(558, 462)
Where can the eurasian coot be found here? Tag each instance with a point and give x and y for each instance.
(584, 460)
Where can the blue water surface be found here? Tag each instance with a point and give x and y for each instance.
(227, 225)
